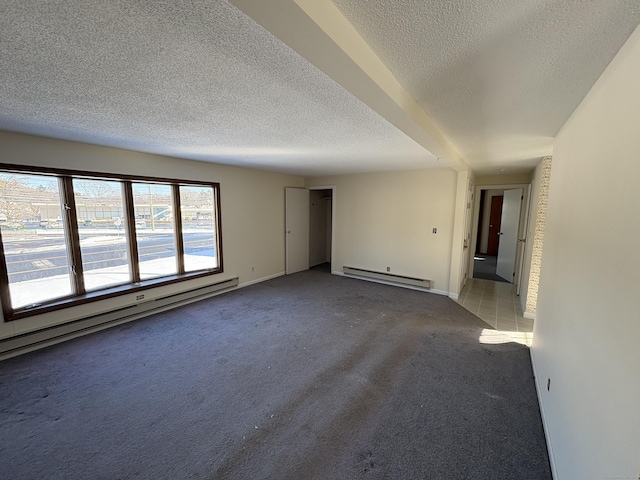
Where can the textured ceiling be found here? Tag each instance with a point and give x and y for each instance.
(499, 77)
(194, 79)
(199, 79)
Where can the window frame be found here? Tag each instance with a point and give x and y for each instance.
(177, 230)
(81, 297)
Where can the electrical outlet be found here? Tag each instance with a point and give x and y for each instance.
(435, 230)
(388, 269)
(548, 384)
(139, 297)
(253, 269)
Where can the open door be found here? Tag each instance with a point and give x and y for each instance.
(508, 247)
(297, 230)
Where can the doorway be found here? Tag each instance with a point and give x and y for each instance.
(320, 228)
(309, 232)
(499, 230)
(495, 217)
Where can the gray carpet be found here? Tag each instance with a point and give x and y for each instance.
(484, 266)
(310, 376)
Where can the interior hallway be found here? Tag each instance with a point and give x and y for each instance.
(497, 304)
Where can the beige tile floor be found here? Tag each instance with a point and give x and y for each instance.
(497, 304)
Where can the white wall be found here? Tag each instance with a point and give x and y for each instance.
(587, 328)
(252, 205)
(386, 220)
(503, 179)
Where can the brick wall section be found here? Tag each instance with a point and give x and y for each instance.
(538, 237)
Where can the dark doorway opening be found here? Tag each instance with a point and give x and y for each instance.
(495, 217)
(320, 228)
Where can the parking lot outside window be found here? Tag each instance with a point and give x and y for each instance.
(33, 239)
(154, 213)
(72, 237)
(198, 227)
(103, 242)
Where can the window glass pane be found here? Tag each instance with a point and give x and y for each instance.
(103, 240)
(153, 210)
(34, 239)
(198, 228)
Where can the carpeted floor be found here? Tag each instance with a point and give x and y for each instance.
(309, 376)
(484, 266)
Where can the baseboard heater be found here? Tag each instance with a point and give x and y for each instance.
(26, 342)
(387, 277)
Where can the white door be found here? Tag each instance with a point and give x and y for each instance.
(297, 229)
(506, 265)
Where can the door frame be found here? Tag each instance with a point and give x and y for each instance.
(466, 243)
(522, 229)
(510, 238)
(333, 220)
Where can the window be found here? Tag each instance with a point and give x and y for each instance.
(155, 229)
(103, 243)
(33, 239)
(71, 237)
(197, 205)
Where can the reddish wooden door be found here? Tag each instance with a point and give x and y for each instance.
(495, 216)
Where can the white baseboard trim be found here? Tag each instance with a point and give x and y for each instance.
(552, 461)
(440, 292)
(410, 287)
(116, 320)
(529, 315)
(110, 319)
(260, 280)
(453, 296)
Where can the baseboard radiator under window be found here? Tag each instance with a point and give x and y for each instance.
(27, 342)
(387, 277)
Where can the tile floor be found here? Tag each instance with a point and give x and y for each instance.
(497, 304)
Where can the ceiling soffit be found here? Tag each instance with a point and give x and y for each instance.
(499, 78)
